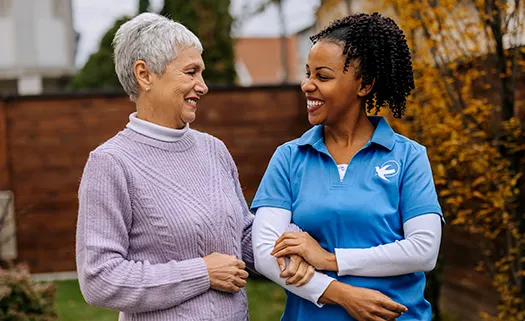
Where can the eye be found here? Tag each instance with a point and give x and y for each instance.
(322, 77)
(191, 72)
(307, 74)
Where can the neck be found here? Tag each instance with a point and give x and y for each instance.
(165, 117)
(355, 129)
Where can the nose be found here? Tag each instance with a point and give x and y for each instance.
(201, 88)
(307, 85)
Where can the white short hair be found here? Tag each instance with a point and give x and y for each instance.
(152, 38)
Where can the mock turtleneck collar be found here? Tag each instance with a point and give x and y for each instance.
(155, 131)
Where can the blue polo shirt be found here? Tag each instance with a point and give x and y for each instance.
(387, 182)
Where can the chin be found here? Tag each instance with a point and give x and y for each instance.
(313, 120)
(188, 117)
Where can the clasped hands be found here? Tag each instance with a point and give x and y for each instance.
(303, 245)
(228, 274)
(363, 304)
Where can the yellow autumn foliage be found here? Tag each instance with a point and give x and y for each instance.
(463, 51)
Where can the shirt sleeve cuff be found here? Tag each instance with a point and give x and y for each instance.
(348, 260)
(319, 283)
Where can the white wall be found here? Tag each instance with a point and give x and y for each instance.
(36, 38)
(51, 33)
(7, 54)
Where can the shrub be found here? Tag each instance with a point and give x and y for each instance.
(22, 299)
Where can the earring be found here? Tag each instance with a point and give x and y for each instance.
(147, 89)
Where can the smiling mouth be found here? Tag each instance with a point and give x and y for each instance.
(313, 105)
(191, 102)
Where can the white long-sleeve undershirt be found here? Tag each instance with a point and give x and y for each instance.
(417, 252)
(268, 226)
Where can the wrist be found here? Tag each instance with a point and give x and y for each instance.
(333, 293)
(331, 262)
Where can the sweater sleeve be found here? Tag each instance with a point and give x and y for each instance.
(246, 240)
(107, 277)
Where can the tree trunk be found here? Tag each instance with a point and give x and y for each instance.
(348, 7)
(143, 6)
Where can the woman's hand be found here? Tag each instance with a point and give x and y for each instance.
(362, 304)
(226, 272)
(302, 244)
(298, 271)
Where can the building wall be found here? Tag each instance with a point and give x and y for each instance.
(37, 40)
(261, 57)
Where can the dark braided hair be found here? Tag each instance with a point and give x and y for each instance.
(380, 51)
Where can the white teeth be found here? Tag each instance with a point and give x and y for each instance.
(314, 103)
(192, 101)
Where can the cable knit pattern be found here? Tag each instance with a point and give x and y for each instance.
(149, 210)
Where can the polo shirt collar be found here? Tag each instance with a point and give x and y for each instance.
(383, 135)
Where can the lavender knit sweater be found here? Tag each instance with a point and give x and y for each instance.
(149, 212)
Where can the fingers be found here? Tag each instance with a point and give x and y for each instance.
(240, 264)
(385, 314)
(387, 303)
(292, 250)
(284, 236)
(238, 282)
(284, 244)
(309, 275)
(233, 289)
(235, 283)
(301, 272)
(281, 261)
(242, 274)
(389, 309)
(292, 268)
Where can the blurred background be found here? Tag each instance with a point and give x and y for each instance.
(60, 98)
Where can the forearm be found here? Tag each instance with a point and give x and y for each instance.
(107, 278)
(332, 294)
(267, 227)
(109, 281)
(247, 247)
(416, 253)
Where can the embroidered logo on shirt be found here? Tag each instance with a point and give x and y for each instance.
(388, 169)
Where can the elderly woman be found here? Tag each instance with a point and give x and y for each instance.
(163, 229)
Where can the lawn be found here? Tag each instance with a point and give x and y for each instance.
(266, 303)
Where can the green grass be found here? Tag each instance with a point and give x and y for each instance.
(265, 300)
(72, 307)
(266, 303)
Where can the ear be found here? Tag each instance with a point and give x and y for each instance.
(364, 91)
(142, 74)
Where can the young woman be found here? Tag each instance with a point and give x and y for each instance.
(363, 195)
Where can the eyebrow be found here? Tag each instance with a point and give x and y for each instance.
(325, 67)
(195, 65)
